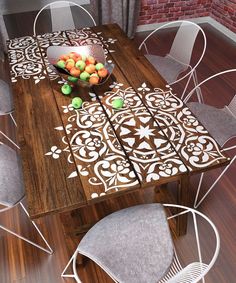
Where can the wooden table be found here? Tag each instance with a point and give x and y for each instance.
(72, 158)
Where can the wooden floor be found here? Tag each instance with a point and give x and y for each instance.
(22, 263)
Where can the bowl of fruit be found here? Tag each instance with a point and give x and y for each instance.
(82, 65)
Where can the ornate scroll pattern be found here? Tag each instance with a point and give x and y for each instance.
(150, 152)
(25, 59)
(182, 128)
(93, 145)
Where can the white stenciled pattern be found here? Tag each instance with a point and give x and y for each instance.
(92, 143)
(27, 62)
(187, 135)
(25, 59)
(149, 150)
(55, 152)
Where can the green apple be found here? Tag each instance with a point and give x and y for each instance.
(61, 64)
(84, 76)
(80, 64)
(99, 66)
(117, 103)
(66, 89)
(77, 102)
(72, 79)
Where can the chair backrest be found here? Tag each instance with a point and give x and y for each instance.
(232, 106)
(183, 43)
(62, 15)
(194, 271)
(184, 40)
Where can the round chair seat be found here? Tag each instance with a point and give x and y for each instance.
(166, 66)
(132, 245)
(11, 183)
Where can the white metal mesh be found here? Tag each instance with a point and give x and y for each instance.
(191, 273)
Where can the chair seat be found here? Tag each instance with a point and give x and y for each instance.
(11, 183)
(168, 68)
(5, 98)
(219, 123)
(132, 245)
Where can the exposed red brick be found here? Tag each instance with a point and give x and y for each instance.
(162, 1)
(175, 9)
(151, 2)
(156, 17)
(155, 11)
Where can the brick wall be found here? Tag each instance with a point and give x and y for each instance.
(157, 11)
(224, 11)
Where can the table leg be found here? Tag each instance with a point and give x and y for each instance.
(182, 199)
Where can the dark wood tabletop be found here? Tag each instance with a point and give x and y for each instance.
(72, 157)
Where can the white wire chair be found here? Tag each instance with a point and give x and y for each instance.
(6, 107)
(178, 273)
(177, 61)
(221, 124)
(61, 17)
(12, 192)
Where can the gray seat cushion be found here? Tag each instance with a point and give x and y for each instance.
(168, 68)
(219, 123)
(5, 98)
(11, 184)
(132, 245)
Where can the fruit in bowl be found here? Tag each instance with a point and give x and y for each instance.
(82, 65)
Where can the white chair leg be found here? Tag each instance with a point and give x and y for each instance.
(198, 190)
(24, 239)
(198, 90)
(196, 204)
(14, 121)
(49, 250)
(9, 140)
(183, 93)
(74, 275)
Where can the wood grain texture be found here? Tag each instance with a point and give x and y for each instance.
(93, 144)
(46, 184)
(170, 113)
(35, 266)
(100, 144)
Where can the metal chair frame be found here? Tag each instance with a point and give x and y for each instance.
(226, 149)
(47, 250)
(192, 273)
(65, 2)
(192, 73)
